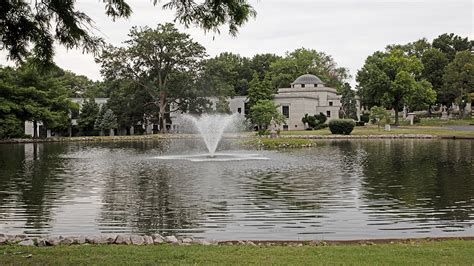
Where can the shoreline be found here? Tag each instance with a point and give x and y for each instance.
(156, 239)
(230, 136)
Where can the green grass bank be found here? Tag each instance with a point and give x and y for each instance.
(453, 252)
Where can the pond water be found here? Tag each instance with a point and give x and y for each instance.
(335, 190)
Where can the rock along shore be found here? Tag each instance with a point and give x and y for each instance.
(157, 239)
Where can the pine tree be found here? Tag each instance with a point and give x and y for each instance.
(88, 115)
(109, 120)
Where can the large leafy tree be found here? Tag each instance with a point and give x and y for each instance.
(302, 61)
(34, 94)
(34, 26)
(434, 61)
(392, 79)
(459, 78)
(161, 60)
(262, 113)
(450, 44)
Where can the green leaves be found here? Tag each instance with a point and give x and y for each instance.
(262, 113)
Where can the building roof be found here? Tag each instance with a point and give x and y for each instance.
(307, 79)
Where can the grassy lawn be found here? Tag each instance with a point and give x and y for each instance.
(372, 130)
(437, 122)
(457, 252)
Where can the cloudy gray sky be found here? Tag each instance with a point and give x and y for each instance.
(349, 30)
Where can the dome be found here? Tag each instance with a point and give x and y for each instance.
(307, 79)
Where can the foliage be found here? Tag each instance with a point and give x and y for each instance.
(450, 44)
(360, 123)
(434, 62)
(391, 79)
(262, 113)
(100, 117)
(348, 101)
(365, 117)
(34, 26)
(30, 93)
(314, 121)
(88, 115)
(162, 61)
(260, 90)
(109, 120)
(225, 75)
(380, 115)
(341, 126)
(222, 106)
(285, 70)
(459, 78)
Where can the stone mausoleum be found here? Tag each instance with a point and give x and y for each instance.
(307, 95)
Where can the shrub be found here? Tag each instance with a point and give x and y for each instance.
(320, 126)
(416, 119)
(341, 126)
(263, 132)
(365, 117)
(360, 123)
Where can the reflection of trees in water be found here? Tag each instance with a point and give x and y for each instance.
(148, 201)
(435, 177)
(327, 182)
(29, 182)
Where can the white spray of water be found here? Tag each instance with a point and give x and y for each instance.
(211, 128)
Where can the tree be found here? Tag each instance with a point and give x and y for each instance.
(348, 101)
(109, 120)
(262, 113)
(88, 115)
(302, 61)
(224, 75)
(392, 79)
(156, 59)
(380, 115)
(459, 79)
(434, 62)
(31, 93)
(222, 106)
(260, 90)
(33, 26)
(100, 117)
(450, 44)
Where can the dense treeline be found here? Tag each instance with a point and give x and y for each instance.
(146, 86)
(419, 74)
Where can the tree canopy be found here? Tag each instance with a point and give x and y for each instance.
(163, 61)
(33, 27)
(393, 79)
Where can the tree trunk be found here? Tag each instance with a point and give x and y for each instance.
(162, 106)
(35, 131)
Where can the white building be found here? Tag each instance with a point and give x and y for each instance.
(307, 95)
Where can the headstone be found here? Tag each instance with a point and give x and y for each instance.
(111, 132)
(132, 130)
(48, 133)
(411, 118)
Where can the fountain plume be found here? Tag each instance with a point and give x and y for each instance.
(211, 127)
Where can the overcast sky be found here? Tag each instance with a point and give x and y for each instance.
(348, 30)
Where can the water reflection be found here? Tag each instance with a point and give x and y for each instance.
(336, 190)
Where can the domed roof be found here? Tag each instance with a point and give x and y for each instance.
(307, 79)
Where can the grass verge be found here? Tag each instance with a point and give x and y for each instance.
(458, 252)
(373, 130)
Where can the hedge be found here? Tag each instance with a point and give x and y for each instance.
(341, 126)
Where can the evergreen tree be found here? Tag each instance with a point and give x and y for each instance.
(109, 120)
(348, 101)
(99, 118)
(260, 90)
(88, 115)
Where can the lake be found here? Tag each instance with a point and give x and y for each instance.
(355, 189)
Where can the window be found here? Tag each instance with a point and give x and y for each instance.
(239, 110)
(286, 111)
(285, 127)
(328, 113)
(302, 85)
(330, 103)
